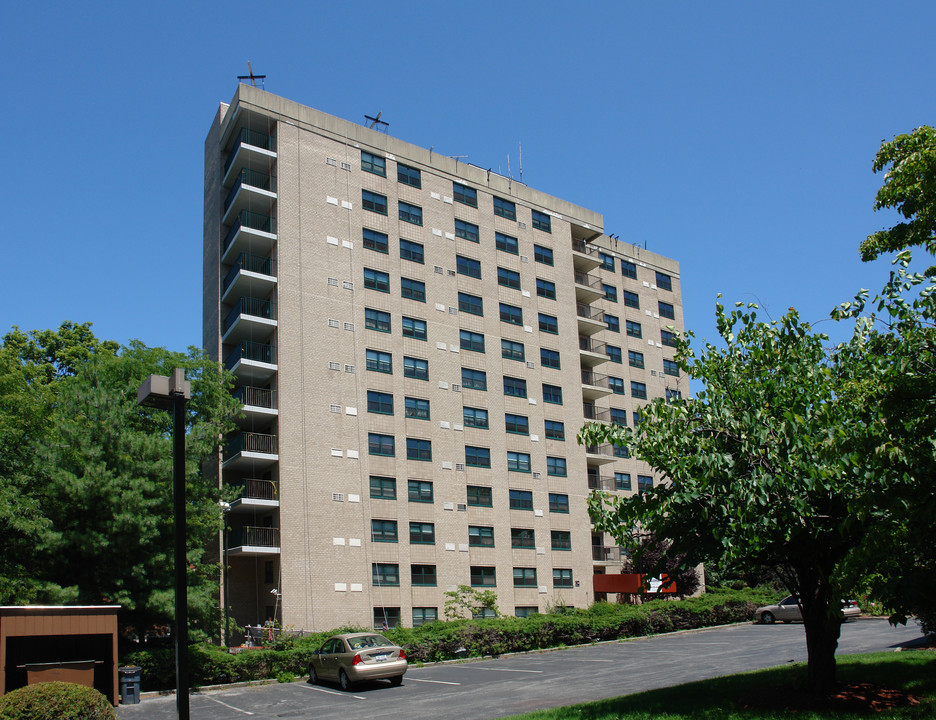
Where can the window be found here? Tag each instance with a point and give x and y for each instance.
(522, 611)
(562, 577)
(548, 324)
(423, 575)
(673, 395)
(379, 361)
(517, 424)
(373, 164)
(376, 241)
(542, 221)
(382, 488)
(467, 231)
(614, 325)
(410, 213)
(378, 444)
(376, 320)
(668, 338)
(511, 314)
(610, 292)
(483, 576)
(518, 462)
(607, 261)
(412, 251)
(614, 353)
(386, 617)
(512, 350)
(471, 341)
(555, 430)
(480, 536)
(521, 500)
(622, 481)
(552, 394)
(414, 328)
(379, 402)
(560, 540)
(383, 531)
(474, 379)
(506, 243)
(413, 289)
(524, 577)
(671, 367)
(556, 466)
(666, 310)
(638, 390)
(422, 533)
(664, 281)
(479, 496)
(549, 358)
(522, 538)
(543, 255)
(633, 329)
(558, 503)
(477, 456)
(619, 416)
(508, 278)
(423, 615)
(621, 452)
(635, 359)
(629, 269)
(465, 195)
(468, 266)
(545, 288)
(475, 417)
(417, 408)
(505, 208)
(471, 304)
(408, 175)
(644, 483)
(616, 385)
(415, 368)
(375, 202)
(419, 491)
(483, 613)
(418, 449)
(376, 280)
(515, 387)
(385, 574)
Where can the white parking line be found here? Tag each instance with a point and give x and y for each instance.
(437, 682)
(237, 709)
(584, 660)
(331, 692)
(474, 667)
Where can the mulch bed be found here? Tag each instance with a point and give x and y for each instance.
(849, 697)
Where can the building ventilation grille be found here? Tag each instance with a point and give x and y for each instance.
(334, 408)
(333, 282)
(346, 166)
(349, 368)
(331, 161)
(349, 326)
(537, 475)
(332, 323)
(462, 507)
(438, 269)
(338, 497)
(460, 467)
(456, 388)
(451, 273)
(334, 366)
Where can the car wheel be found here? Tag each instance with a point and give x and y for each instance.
(767, 618)
(396, 680)
(313, 676)
(344, 680)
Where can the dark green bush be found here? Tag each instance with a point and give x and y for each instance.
(55, 701)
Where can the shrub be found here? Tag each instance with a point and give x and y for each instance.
(55, 701)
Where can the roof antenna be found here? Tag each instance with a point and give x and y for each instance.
(253, 78)
(377, 124)
(520, 144)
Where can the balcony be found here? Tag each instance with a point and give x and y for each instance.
(259, 404)
(251, 232)
(592, 352)
(256, 495)
(252, 361)
(597, 414)
(251, 275)
(249, 318)
(595, 386)
(250, 451)
(252, 149)
(599, 454)
(600, 553)
(590, 319)
(584, 256)
(252, 189)
(587, 287)
(597, 481)
(254, 541)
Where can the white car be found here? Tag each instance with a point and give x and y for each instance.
(788, 610)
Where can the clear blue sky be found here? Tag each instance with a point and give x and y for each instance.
(736, 137)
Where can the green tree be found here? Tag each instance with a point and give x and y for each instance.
(470, 600)
(910, 188)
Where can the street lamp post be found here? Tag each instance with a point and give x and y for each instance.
(225, 509)
(167, 393)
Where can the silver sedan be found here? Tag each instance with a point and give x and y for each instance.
(788, 610)
(354, 657)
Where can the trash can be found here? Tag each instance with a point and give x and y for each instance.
(130, 677)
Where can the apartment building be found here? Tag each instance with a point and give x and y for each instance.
(416, 343)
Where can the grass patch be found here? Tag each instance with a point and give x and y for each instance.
(912, 672)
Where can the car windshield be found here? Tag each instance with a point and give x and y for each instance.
(368, 641)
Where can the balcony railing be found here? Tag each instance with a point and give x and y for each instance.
(250, 137)
(255, 537)
(589, 313)
(588, 281)
(252, 220)
(600, 482)
(251, 442)
(256, 397)
(589, 345)
(580, 246)
(249, 262)
(259, 490)
(600, 553)
(592, 378)
(606, 450)
(250, 306)
(251, 178)
(250, 350)
(592, 412)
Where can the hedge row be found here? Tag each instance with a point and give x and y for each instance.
(212, 665)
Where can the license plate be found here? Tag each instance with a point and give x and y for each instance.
(380, 658)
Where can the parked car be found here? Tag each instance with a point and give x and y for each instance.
(788, 610)
(353, 657)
